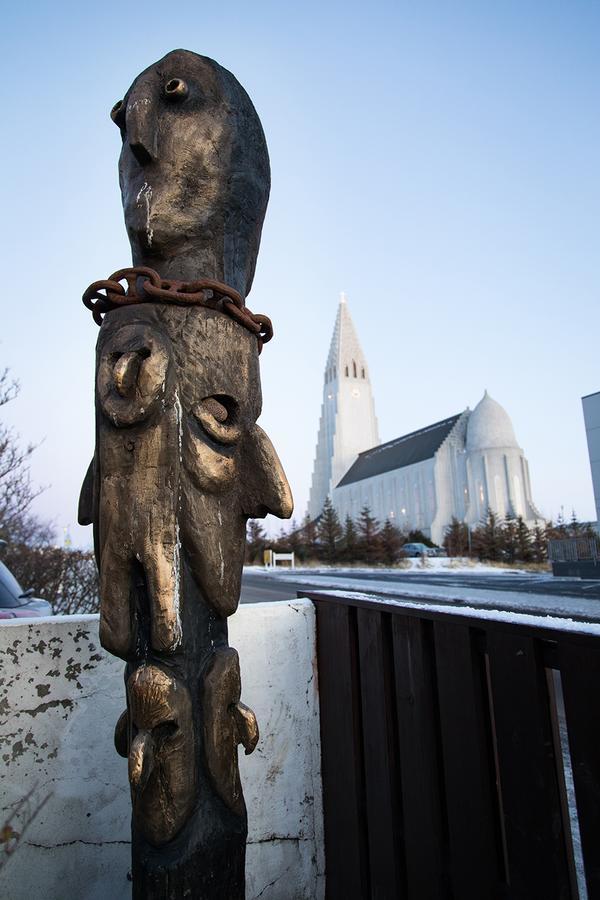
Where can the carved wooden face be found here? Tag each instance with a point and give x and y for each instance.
(181, 466)
(161, 755)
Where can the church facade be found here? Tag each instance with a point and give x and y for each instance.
(458, 467)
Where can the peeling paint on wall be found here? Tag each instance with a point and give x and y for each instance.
(60, 696)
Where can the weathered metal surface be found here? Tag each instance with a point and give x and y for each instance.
(180, 464)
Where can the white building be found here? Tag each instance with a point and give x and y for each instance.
(348, 423)
(591, 415)
(458, 467)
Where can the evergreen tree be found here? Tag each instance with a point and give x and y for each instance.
(588, 531)
(294, 539)
(416, 536)
(309, 537)
(391, 541)
(456, 538)
(281, 544)
(557, 531)
(368, 530)
(350, 540)
(509, 537)
(329, 531)
(487, 537)
(575, 528)
(255, 541)
(561, 527)
(524, 543)
(539, 545)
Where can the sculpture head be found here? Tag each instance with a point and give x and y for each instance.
(194, 171)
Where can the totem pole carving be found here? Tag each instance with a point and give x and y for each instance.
(180, 464)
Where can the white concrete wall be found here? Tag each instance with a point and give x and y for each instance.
(60, 696)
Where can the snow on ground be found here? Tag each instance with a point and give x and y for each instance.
(413, 565)
(467, 592)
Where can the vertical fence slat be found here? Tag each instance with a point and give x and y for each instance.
(470, 808)
(419, 759)
(532, 812)
(414, 735)
(580, 675)
(380, 757)
(341, 755)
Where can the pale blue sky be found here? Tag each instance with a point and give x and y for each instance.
(437, 161)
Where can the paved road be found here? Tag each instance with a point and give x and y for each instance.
(528, 584)
(536, 592)
(259, 588)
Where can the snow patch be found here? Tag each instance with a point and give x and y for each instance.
(495, 615)
(466, 591)
(222, 563)
(177, 635)
(144, 197)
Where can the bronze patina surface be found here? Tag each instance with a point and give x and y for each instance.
(180, 464)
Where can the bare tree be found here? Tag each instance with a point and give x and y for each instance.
(66, 578)
(17, 491)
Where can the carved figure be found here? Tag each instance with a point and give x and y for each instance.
(180, 464)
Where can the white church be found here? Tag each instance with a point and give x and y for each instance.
(458, 467)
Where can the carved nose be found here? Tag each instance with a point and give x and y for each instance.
(141, 129)
(141, 760)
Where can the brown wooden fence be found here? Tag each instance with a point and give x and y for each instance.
(444, 772)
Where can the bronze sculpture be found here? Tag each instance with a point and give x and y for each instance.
(180, 464)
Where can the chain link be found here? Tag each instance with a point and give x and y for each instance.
(103, 296)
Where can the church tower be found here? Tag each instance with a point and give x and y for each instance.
(348, 424)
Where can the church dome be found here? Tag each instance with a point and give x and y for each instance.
(489, 426)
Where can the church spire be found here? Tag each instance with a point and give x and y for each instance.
(348, 424)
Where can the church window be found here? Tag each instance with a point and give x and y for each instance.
(347, 371)
(362, 372)
(354, 368)
(334, 372)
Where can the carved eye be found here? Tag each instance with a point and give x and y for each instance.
(176, 89)
(116, 113)
(218, 416)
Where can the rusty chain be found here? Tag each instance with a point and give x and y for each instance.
(103, 296)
